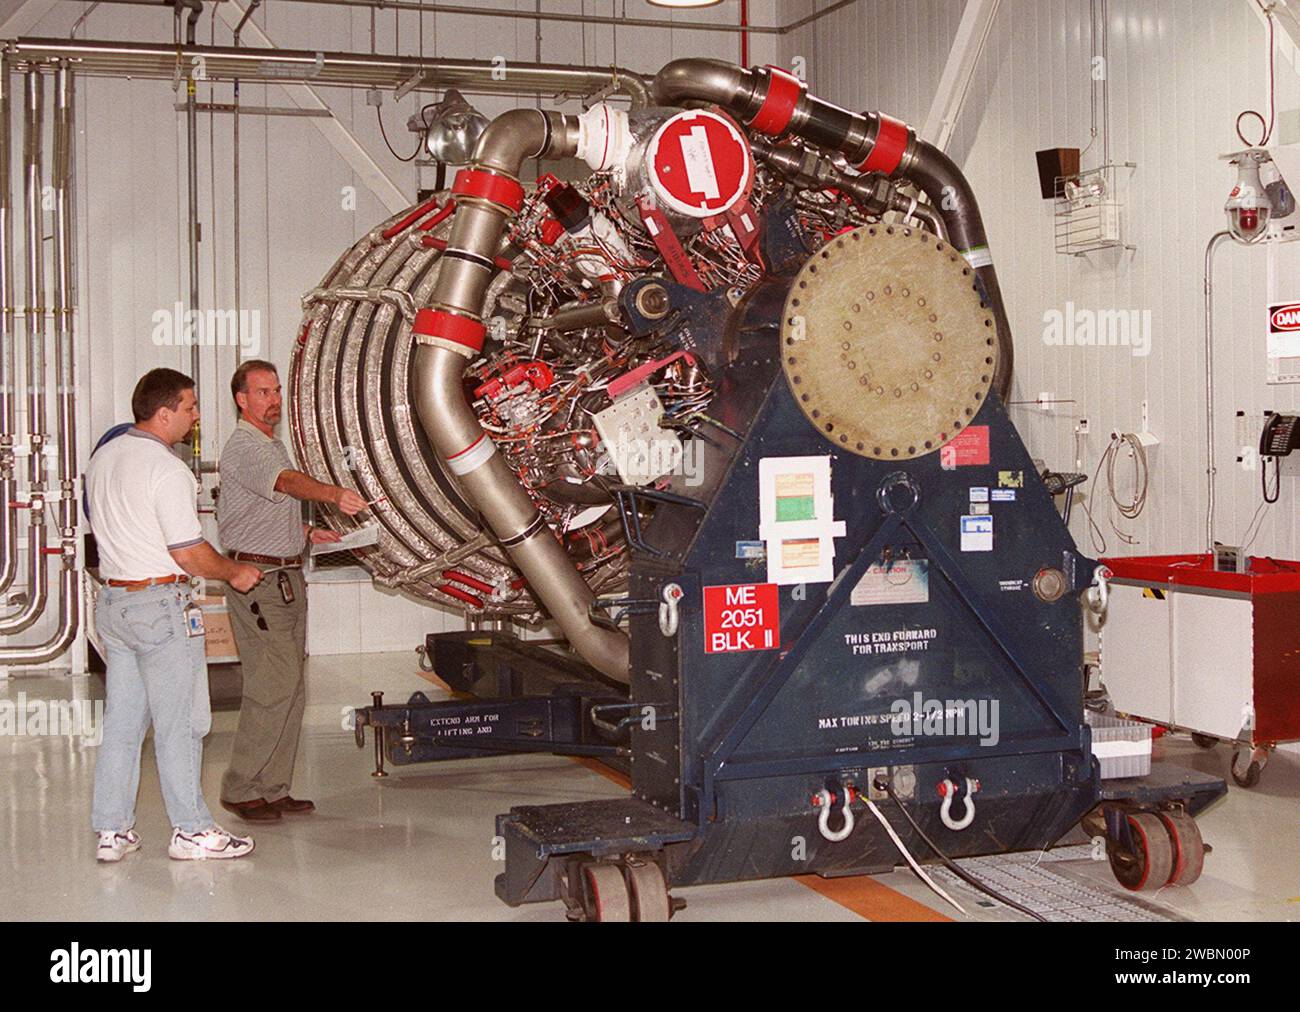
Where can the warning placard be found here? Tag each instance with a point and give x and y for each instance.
(968, 449)
(741, 616)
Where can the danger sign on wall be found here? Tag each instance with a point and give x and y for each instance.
(741, 616)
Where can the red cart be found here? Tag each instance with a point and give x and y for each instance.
(1217, 654)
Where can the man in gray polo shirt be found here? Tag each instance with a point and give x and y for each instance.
(260, 521)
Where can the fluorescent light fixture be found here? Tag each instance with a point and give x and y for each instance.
(680, 4)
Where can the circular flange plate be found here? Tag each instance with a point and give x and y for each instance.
(886, 345)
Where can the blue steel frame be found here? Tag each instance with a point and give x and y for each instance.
(717, 763)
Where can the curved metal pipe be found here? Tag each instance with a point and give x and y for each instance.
(65, 379)
(902, 154)
(439, 366)
(8, 483)
(37, 571)
(69, 610)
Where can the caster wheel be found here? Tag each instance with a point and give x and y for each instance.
(1151, 862)
(604, 894)
(1189, 849)
(649, 891)
(1245, 770)
(1204, 740)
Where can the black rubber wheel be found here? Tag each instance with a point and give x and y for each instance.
(1189, 848)
(1204, 740)
(1244, 775)
(1150, 864)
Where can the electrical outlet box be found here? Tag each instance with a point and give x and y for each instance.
(374, 97)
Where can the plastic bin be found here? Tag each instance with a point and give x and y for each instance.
(1123, 747)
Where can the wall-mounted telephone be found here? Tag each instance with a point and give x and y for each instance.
(1281, 435)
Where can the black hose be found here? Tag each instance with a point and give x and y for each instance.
(951, 865)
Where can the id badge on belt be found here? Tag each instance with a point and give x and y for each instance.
(193, 620)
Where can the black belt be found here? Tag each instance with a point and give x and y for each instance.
(267, 560)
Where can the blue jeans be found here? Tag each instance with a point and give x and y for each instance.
(158, 673)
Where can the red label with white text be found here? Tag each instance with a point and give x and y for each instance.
(741, 616)
(968, 449)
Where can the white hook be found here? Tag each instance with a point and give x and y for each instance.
(824, 819)
(1098, 595)
(949, 791)
(672, 593)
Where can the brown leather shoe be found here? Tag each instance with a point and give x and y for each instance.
(256, 810)
(292, 806)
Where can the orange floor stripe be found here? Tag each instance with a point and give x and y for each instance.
(859, 893)
(871, 899)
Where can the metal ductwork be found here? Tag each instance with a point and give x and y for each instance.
(64, 303)
(777, 104)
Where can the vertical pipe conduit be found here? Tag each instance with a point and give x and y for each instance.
(64, 369)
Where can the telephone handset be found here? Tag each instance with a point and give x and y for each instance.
(1281, 435)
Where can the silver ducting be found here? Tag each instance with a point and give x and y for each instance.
(8, 482)
(64, 303)
(37, 570)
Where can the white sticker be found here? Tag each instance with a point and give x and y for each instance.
(902, 581)
(979, 508)
(977, 533)
(979, 257)
(698, 159)
(1004, 495)
(979, 494)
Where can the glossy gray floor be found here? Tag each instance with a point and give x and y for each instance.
(418, 845)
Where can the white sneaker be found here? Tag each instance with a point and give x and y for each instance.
(115, 846)
(211, 845)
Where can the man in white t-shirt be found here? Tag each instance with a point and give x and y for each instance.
(143, 512)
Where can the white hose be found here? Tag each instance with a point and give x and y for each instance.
(824, 819)
(945, 809)
(910, 860)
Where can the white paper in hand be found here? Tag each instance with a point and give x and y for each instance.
(362, 537)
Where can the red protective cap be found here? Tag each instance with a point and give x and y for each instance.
(551, 231)
(891, 142)
(499, 189)
(783, 93)
(450, 327)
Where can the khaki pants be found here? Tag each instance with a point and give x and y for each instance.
(270, 716)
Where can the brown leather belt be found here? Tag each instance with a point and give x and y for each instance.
(266, 560)
(155, 581)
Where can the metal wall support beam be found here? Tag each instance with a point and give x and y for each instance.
(303, 96)
(972, 33)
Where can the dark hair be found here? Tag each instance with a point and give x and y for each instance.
(158, 388)
(239, 381)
